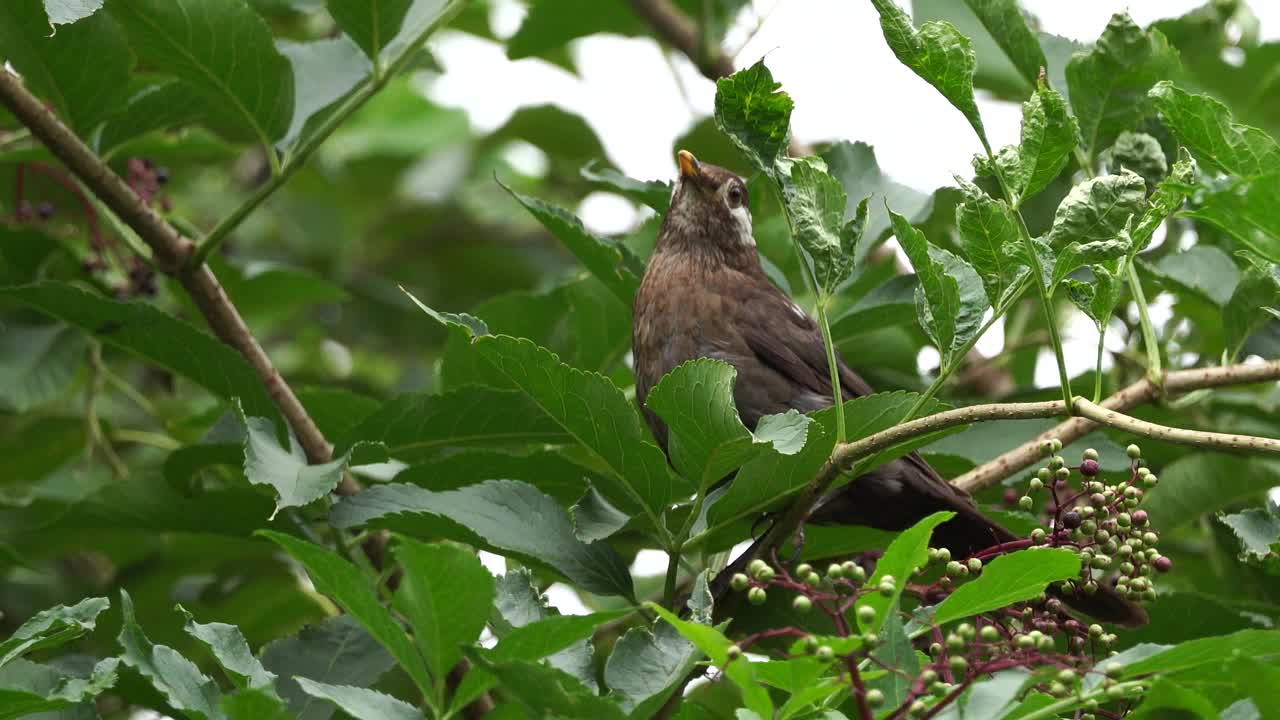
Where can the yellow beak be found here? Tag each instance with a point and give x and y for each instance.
(689, 167)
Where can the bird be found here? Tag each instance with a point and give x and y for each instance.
(705, 294)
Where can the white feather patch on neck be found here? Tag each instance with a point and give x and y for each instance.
(742, 220)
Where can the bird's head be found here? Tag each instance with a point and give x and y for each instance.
(709, 211)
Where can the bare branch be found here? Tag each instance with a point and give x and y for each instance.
(171, 251)
(681, 33)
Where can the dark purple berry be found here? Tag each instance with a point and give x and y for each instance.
(1089, 468)
(162, 174)
(1139, 517)
(1011, 496)
(44, 209)
(1071, 520)
(1163, 564)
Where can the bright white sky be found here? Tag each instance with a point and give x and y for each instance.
(829, 55)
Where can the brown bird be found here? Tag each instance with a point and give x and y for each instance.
(705, 294)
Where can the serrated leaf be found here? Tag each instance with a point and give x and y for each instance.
(1098, 209)
(27, 688)
(370, 23)
(594, 518)
(550, 635)
(62, 12)
(1261, 682)
(889, 304)
(654, 193)
(336, 649)
(324, 71)
(52, 64)
(548, 692)
(517, 603)
(1258, 531)
(895, 651)
(1004, 20)
(1201, 269)
(221, 49)
(419, 425)
(1247, 211)
(361, 703)
(1099, 299)
(908, 551)
(1210, 651)
(756, 115)
(1167, 198)
(1246, 311)
(950, 300)
(52, 627)
(1077, 255)
(445, 594)
(1203, 482)
(609, 260)
(939, 54)
(176, 677)
(986, 225)
(1140, 153)
(855, 166)
(1049, 137)
(1207, 128)
(595, 413)
(254, 704)
(503, 514)
(707, 438)
(166, 341)
(647, 665)
(231, 650)
(815, 203)
(343, 581)
(712, 643)
(160, 105)
(1007, 580)
(1109, 83)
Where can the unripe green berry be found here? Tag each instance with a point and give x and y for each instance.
(989, 633)
(870, 640)
(1067, 677)
(803, 569)
(1056, 444)
(1057, 689)
(1035, 484)
(1151, 481)
(1025, 502)
(955, 643)
(1056, 462)
(939, 689)
(953, 568)
(866, 614)
(1037, 535)
(756, 566)
(810, 644)
(1133, 451)
(1045, 643)
(1090, 454)
(802, 604)
(858, 575)
(974, 564)
(734, 652)
(959, 665)
(739, 581)
(935, 649)
(875, 698)
(944, 555)
(1150, 538)
(917, 708)
(966, 631)
(813, 579)
(928, 677)
(1113, 670)
(757, 596)
(766, 574)
(1124, 520)
(825, 653)
(835, 571)
(1062, 473)
(1024, 642)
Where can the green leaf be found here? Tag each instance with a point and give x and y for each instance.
(1248, 212)
(1008, 579)
(266, 462)
(815, 202)
(1109, 83)
(891, 303)
(337, 649)
(52, 64)
(855, 166)
(1004, 20)
(345, 582)
(232, 651)
(646, 666)
(986, 225)
(991, 698)
(141, 329)
(1168, 197)
(550, 635)
(1258, 531)
(1210, 651)
(653, 193)
(361, 703)
(27, 688)
(221, 49)
(1049, 137)
(323, 71)
(756, 115)
(707, 438)
(370, 23)
(1140, 153)
(1261, 682)
(712, 643)
(517, 604)
(548, 692)
(907, 552)
(419, 425)
(176, 677)
(1098, 209)
(1201, 269)
(254, 704)
(1077, 255)
(62, 12)
(37, 364)
(895, 651)
(159, 105)
(1099, 299)
(445, 594)
(950, 301)
(503, 514)
(609, 260)
(939, 54)
(1206, 127)
(1251, 304)
(52, 627)
(594, 412)
(594, 518)
(1166, 698)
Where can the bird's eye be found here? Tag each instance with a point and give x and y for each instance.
(735, 196)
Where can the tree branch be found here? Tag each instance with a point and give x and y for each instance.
(1138, 393)
(680, 32)
(845, 455)
(170, 250)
